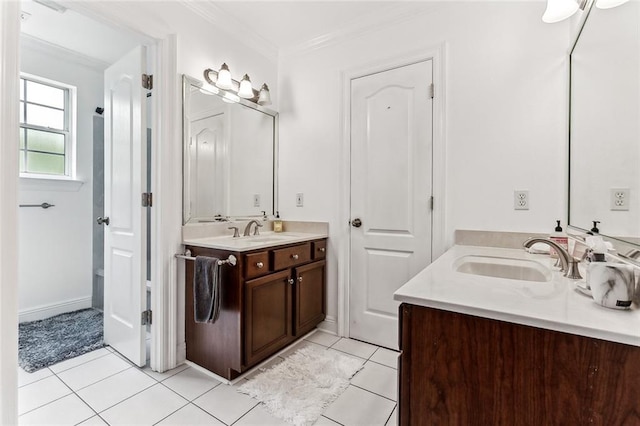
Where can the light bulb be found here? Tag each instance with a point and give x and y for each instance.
(558, 10)
(224, 78)
(245, 91)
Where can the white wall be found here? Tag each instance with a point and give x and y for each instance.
(506, 118)
(55, 250)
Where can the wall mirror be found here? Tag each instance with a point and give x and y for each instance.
(229, 156)
(604, 159)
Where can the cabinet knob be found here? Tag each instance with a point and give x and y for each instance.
(259, 265)
(290, 281)
(300, 279)
(294, 256)
(321, 249)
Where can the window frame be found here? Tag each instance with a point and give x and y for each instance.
(69, 133)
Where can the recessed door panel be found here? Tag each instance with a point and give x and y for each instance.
(386, 270)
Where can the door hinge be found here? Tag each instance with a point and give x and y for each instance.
(147, 81)
(431, 203)
(146, 317)
(147, 199)
(431, 91)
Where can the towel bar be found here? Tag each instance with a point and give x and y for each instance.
(231, 260)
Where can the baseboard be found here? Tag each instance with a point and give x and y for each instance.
(46, 311)
(329, 325)
(181, 352)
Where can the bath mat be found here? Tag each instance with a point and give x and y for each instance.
(46, 342)
(299, 388)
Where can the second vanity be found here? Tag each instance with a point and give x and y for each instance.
(493, 335)
(272, 296)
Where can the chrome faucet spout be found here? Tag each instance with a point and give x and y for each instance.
(563, 255)
(247, 229)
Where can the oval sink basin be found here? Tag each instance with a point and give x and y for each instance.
(503, 267)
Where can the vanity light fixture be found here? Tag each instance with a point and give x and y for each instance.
(264, 98)
(608, 4)
(245, 91)
(559, 10)
(222, 80)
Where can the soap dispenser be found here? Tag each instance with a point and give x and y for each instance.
(559, 238)
(595, 229)
(277, 223)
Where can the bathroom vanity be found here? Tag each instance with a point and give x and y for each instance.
(272, 296)
(482, 345)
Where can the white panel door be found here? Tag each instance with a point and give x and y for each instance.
(207, 153)
(124, 182)
(391, 180)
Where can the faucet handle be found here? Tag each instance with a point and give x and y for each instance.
(256, 231)
(236, 233)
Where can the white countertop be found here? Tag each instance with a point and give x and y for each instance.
(253, 242)
(554, 305)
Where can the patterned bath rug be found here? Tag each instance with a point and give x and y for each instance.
(299, 388)
(46, 342)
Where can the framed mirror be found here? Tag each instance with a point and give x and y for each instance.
(604, 146)
(229, 155)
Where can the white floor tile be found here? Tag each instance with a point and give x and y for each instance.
(93, 371)
(190, 415)
(25, 378)
(393, 420)
(260, 416)
(69, 410)
(226, 403)
(354, 347)
(146, 408)
(323, 421)
(114, 389)
(74, 362)
(386, 357)
(322, 338)
(378, 379)
(162, 376)
(40, 393)
(359, 407)
(94, 421)
(190, 383)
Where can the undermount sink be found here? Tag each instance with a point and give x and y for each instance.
(503, 267)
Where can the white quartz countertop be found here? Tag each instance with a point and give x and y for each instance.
(253, 242)
(553, 305)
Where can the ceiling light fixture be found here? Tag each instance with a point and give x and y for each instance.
(559, 10)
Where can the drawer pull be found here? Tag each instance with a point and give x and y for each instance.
(290, 281)
(300, 279)
(294, 256)
(259, 265)
(321, 249)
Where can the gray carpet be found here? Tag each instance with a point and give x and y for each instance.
(46, 342)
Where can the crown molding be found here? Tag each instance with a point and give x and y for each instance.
(232, 26)
(387, 17)
(44, 47)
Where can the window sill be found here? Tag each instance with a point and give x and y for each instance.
(50, 184)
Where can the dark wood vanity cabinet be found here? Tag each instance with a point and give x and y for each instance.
(270, 298)
(458, 369)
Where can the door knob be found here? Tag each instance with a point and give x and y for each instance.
(356, 223)
(103, 220)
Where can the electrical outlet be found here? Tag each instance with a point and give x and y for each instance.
(299, 199)
(256, 200)
(520, 200)
(619, 198)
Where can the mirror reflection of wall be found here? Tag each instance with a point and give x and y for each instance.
(605, 123)
(228, 157)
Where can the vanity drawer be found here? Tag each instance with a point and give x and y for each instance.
(291, 256)
(319, 249)
(256, 264)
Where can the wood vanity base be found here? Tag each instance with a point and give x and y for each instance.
(458, 369)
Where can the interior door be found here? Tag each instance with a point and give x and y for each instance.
(391, 181)
(124, 182)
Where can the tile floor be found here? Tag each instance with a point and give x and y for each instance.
(101, 388)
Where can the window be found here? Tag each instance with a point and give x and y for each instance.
(46, 127)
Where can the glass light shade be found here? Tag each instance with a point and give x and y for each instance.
(224, 78)
(264, 98)
(245, 91)
(558, 10)
(608, 4)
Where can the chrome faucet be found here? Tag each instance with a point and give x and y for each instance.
(568, 262)
(247, 229)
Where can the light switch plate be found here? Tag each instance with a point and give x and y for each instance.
(299, 199)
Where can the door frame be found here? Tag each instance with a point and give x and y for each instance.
(438, 222)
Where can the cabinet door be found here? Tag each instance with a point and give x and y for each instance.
(267, 315)
(309, 297)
